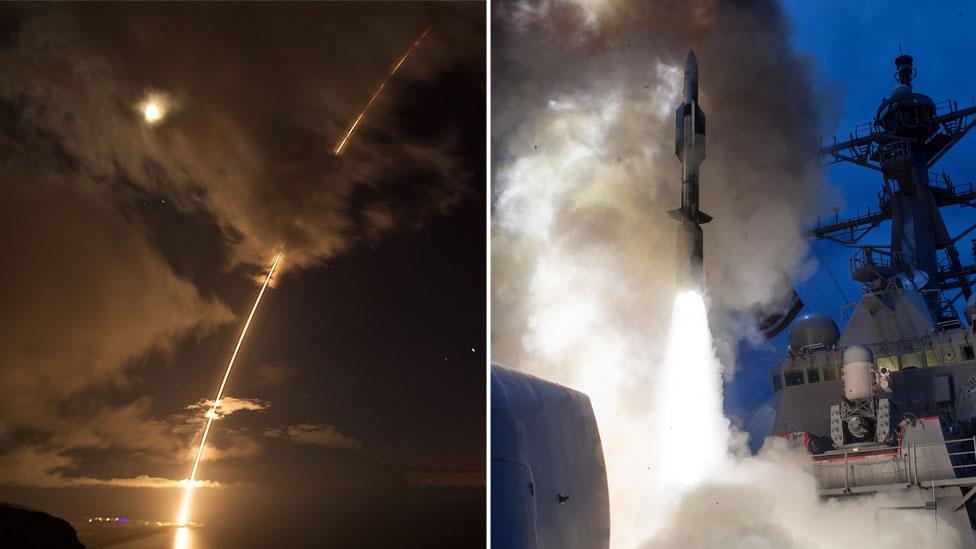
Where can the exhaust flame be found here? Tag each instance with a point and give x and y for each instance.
(362, 114)
(694, 437)
(185, 510)
(703, 473)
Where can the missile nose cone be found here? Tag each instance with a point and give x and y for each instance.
(691, 77)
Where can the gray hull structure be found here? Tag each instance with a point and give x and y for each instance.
(911, 425)
(548, 478)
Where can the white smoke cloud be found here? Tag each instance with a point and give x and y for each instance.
(703, 476)
(577, 297)
(771, 501)
(583, 252)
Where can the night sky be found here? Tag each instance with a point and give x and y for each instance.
(133, 252)
(854, 46)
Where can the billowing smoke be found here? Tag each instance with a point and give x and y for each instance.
(583, 251)
(704, 490)
(583, 130)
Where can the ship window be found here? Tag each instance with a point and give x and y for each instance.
(813, 375)
(889, 362)
(911, 360)
(777, 382)
(830, 373)
(967, 352)
(932, 358)
(794, 378)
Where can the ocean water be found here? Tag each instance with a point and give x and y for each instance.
(450, 518)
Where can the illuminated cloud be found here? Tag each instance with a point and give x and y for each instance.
(40, 467)
(219, 142)
(230, 405)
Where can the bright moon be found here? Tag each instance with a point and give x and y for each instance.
(152, 112)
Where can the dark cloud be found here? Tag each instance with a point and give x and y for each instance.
(315, 434)
(469, 476)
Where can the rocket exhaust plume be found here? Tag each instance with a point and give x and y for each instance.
(185, 509)
(362, 114)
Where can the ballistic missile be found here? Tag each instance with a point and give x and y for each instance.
(689, 145)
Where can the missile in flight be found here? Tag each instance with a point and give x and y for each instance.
(689, 145)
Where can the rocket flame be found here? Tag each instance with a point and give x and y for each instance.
(185, 510)
(362, 114)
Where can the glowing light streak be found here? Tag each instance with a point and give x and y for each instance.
(362, 114)
(185, 510)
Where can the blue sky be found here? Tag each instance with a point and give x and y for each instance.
(854, 45)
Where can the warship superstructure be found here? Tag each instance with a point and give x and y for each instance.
(889, 403)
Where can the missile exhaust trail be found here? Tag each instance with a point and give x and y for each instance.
(185, 510)
(362, 114)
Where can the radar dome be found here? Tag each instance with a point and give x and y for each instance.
(813, 330)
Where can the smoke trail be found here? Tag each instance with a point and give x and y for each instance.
(362, 114)
(185, 509)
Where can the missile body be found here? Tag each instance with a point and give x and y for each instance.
(689, 145)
